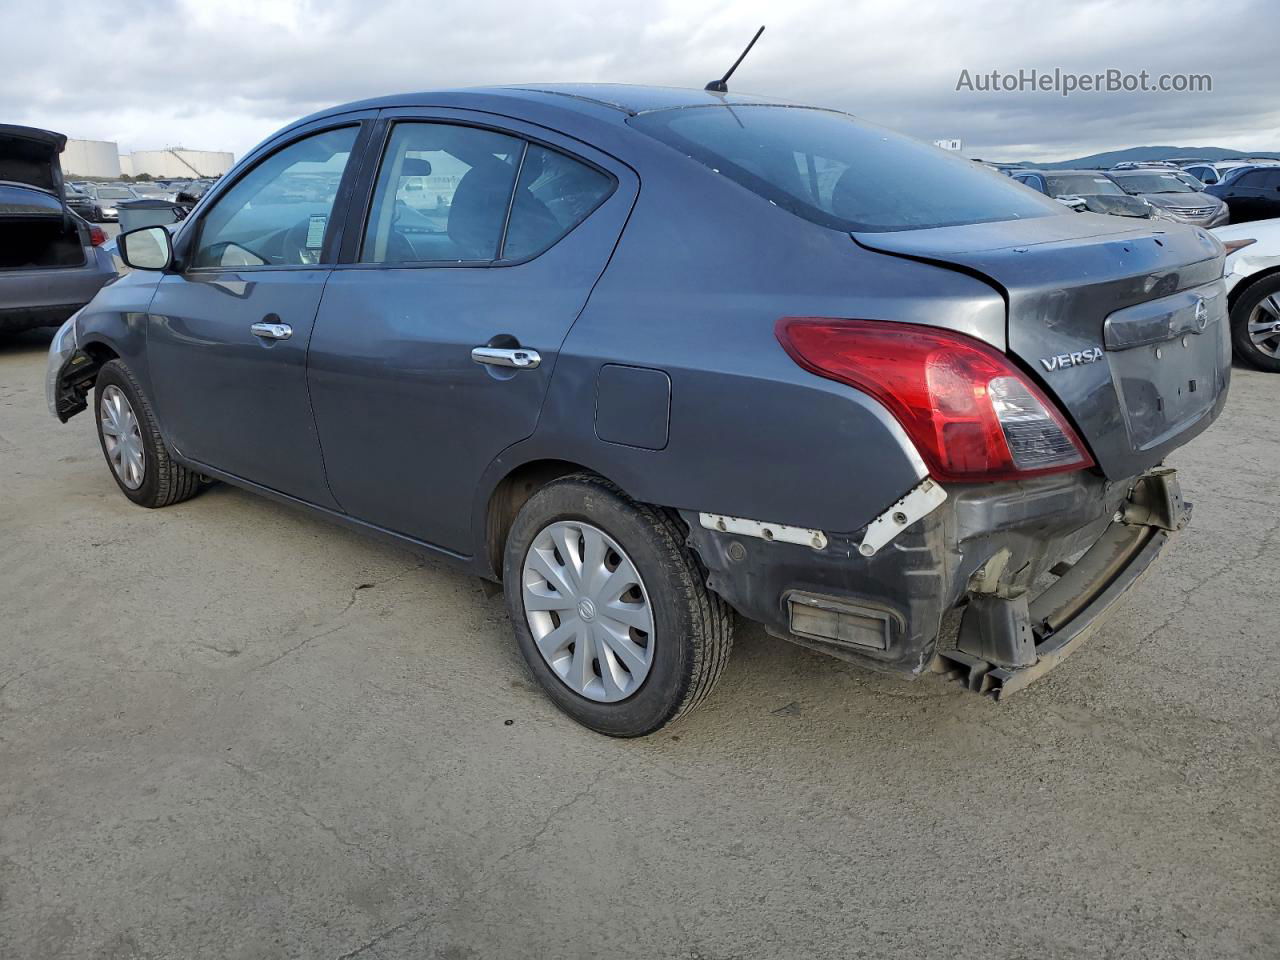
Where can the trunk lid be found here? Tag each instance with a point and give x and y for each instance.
(29, 155)
(1124, 324)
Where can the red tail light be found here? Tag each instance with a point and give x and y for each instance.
(970, 412)
(97, 236)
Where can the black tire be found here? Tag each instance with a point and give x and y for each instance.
(1245, 304)
(693, 628)
(164, 481)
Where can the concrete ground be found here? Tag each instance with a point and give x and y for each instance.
(233, 730)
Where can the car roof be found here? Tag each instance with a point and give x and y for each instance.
(597, 99)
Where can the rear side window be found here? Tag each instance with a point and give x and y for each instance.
(554, 195)
(840, 172)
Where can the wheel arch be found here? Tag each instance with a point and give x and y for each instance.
(509, 493)
(1238, 291)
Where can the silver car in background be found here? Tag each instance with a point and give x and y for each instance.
(1174, 196)
(106, 197)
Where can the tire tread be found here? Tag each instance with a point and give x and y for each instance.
(174, 482)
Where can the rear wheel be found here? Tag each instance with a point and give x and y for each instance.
(1255, 324)
(131, 442)
(610, 608)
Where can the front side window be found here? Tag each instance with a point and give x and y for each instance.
(840, 172)
(443, 193)
(277, 214)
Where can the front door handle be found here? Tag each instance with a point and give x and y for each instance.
(272, 331)
(519, 357)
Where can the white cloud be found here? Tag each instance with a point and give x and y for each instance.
(224, 75)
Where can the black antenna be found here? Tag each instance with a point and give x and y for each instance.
(722, 85)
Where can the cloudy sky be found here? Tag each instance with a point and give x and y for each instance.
(223, 74)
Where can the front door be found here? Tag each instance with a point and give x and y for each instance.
(433, 349)
(227, 334)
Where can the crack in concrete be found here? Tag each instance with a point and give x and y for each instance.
(389, 932)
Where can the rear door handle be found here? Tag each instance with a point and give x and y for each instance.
(519, 357)
(272, 331)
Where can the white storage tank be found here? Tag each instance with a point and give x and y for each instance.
(91, 160)
(178, 162)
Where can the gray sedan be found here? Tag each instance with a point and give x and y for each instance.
(1175, 196)
(105, 198)
(649, 356)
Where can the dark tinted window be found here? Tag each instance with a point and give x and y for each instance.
(840, 172)
(442, 194)
(555, 194)
(1254, 178)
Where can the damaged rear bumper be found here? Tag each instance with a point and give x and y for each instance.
(1033, 566)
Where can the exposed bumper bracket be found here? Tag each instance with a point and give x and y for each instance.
(993, 655)
(923, 499)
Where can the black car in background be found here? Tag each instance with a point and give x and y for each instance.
(78, 201)
(1096, 192)
(1251, 193)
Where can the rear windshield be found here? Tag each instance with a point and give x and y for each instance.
(114, 193)
(840, 172)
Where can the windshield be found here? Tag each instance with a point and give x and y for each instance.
(1082, 185)
(840, 172)
(114, 193)
(1153, 183)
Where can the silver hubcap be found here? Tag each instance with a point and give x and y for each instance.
(122, 437)
(588, 611)
(1264, 325)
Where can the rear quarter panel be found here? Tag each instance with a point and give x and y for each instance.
(702, 274)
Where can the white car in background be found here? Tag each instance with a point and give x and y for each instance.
(1252, 272)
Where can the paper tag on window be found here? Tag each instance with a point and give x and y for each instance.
(315, 231)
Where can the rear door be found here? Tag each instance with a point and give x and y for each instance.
(1269, 195)
(476, 249)
(228, 330)
(1246, 196)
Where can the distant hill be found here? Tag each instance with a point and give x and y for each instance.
(1112, 157)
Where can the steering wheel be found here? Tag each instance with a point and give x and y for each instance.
(295, 248)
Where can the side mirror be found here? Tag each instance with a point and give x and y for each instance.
(147, 248)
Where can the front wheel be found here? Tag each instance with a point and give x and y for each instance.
(611, 609)
(131, 442)
(1255, 324)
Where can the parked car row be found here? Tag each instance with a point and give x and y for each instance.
(1164, 194)
(1187, 190)
(100, 201)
